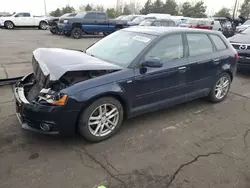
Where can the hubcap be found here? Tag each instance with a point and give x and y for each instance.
(221, 87)
(103, 120)
(43, 26)
(77, 34)
(9, 25)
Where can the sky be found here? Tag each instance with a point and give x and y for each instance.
(37, 6)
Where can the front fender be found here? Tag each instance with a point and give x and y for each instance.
(112, 89)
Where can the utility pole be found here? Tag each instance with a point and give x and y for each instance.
(45, 9)
(235, 5)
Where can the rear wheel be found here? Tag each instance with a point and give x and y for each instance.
(9, 25)
(101, 119)
(220, 88)
(43, 25)
(76, 33)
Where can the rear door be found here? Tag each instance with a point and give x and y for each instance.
(164, 85)
(90, 22)
(202, 65)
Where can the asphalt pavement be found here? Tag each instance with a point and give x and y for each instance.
(193, 145)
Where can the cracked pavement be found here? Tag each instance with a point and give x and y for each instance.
(193, 145)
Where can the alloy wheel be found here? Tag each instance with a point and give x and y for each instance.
(103, 120)
(221, 87)
(9, 25)
(43, 26)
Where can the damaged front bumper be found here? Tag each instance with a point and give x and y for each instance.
(45, 119)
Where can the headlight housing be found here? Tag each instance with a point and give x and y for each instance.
(47, 96)
(65, 21)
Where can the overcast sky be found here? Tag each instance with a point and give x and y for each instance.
(37, 6)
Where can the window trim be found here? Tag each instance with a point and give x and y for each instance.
(217, 50)
(213, 46)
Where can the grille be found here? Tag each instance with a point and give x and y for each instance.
(237, 46)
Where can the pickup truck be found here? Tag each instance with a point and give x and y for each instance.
(89, 22)
(23, 19)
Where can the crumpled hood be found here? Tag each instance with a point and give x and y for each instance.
(240, 38)
(242, 26)
(55, 62)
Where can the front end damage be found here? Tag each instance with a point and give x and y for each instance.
(42, 107)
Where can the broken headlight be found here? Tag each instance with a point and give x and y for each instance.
(52, 97)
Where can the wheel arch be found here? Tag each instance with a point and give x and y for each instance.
(9, 21)
(77, 25)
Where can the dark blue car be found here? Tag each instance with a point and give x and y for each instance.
(130, 72)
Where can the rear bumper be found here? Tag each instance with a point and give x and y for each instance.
(60, 119)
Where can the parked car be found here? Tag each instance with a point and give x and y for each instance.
(158, 22)
(138, 20)
(53, 23)
(241, 42)
(131, 17)
(198, 23)
(23, 19)
(130, 72)
(242, 27)
(179, 19)
(159, 16)
(120, 17)
(93, 21)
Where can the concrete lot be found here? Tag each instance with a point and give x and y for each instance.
(193, 145)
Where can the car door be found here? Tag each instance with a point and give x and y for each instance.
(28, 20)
(19, 20)
(102, 22)
(90, 22)
(162, 86)
(202, 64)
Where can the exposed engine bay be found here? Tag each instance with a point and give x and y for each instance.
(35, 90)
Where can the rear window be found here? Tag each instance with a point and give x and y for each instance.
(220, 45)
(199, 44)
(101, 16)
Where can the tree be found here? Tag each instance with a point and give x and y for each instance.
(56, 13)
(158, 7)
(67, 9)
(223, 12)
(98, 8)
(196, 11)
(171, 7)
(111, 12)
(88, 7)
(147, 7)
(126, 10)
(245, 9)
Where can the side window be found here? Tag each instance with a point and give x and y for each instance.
(199, 44)
(101, 16)
(164, 23)
(90, 15)
(26, 14)
(19, 15)
(167, 49)
(220, 45)
(156, 24)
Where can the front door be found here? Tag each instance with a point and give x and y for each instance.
(90, 22)
(156, 87)
(202, 66)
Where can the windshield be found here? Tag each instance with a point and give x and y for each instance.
(191, 21)
(146, 22)
(80, 14)
(128, 18)
(138, 20)
(121, 47)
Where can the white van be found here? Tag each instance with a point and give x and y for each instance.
(159, 16)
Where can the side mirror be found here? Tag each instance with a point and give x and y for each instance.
(152, 62)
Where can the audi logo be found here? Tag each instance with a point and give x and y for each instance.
(243, 47)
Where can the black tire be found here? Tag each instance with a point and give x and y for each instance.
(67, 34)
(106, 33)
(212, 95)
(83, 126)
(43, 25)
(76, 33)
(54, 30)
(9, 25)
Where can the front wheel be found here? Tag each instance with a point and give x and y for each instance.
(54, 30)
(101, 119)
(67, 33)
(9, 25)
(76, 33)
(220, 88)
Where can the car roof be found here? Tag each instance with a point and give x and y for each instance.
(165, 30)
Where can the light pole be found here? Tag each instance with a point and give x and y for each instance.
(45, 9)
(235, 5)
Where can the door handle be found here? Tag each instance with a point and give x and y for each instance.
(216, 61)
(182, 69)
